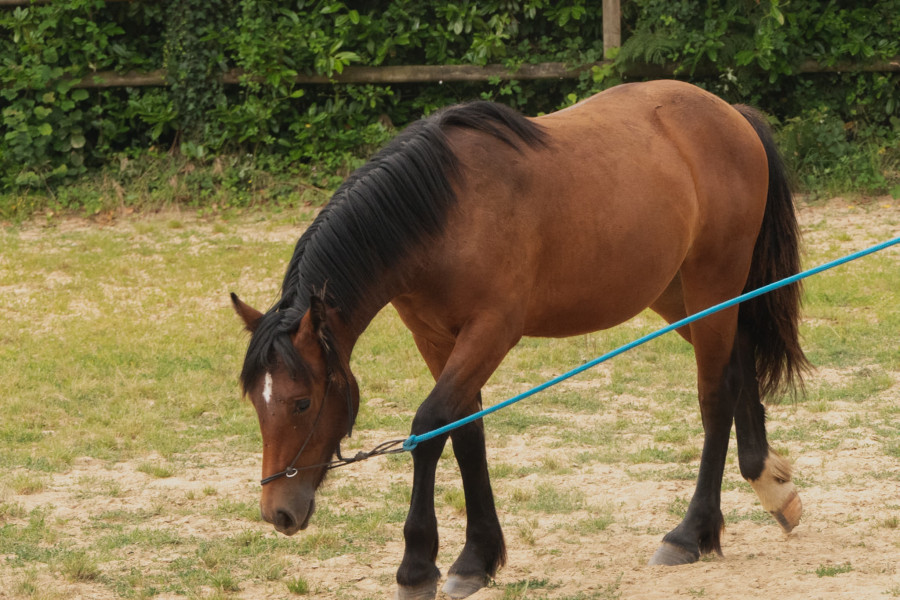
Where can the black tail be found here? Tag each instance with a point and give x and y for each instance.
(773, 319)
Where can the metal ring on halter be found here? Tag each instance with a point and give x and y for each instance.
(290, 472)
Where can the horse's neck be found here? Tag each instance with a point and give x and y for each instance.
(376, 298)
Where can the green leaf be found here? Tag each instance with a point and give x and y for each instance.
(777, 15)
(347, 57)
(45, 129)
(77, 141)
(80, 94)
(64, 85)
(332, 8)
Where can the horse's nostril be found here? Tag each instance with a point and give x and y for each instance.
(283, 520)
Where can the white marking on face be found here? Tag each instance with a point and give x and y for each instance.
(267, 389)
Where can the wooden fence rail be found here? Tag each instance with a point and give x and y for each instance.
(458, 73)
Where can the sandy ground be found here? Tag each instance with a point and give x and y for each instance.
(851, 499)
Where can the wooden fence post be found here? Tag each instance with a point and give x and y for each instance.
(612, 26)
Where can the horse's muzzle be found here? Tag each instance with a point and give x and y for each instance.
(288, 520)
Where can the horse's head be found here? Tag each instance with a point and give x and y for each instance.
(306, 403)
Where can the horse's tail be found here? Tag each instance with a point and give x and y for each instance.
(772, 320)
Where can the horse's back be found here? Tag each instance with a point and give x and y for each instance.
(681, 164)
(588, 231)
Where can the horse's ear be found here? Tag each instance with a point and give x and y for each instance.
(250, 315)
(338, 370)
(318, 317)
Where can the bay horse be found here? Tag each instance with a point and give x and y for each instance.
(481, 226)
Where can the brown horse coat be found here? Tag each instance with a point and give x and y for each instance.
(482, 226)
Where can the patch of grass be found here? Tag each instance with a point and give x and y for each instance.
(325, 544)
(79, 566)
(550, 499)
(243, 510)
(569, 401)
(157, 470)
(266, 568)
(501, 470)
(30, 586)
(517, 422)
(651, 454)
(520, 590)
(754, 516)
(552, 465)
(521, 495)
(91, 487)
(297, 586)
(595, 524)
(455, 499)
(223, 580)
(680, 473)
(602, 437)
(133, 584)
(892, 522)
(678, 507)
(892, 449)
(34, 541)
(833, 570)
(141, 537)
(11, 510)
(526, 529)
(676, 434)
(26, 483)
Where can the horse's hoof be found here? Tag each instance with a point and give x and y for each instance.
(671, 555)
(423, 591)
(789, 514)
(463, 586)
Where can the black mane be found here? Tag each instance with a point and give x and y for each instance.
(397, 200)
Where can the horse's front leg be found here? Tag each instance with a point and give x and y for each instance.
(418, 575)
(477, 351)
(485, 550)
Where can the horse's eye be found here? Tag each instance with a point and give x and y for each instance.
(301, 405)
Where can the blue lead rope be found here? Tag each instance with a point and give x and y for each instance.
(412, 441)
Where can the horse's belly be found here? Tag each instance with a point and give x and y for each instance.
(599, 274)
(591, 304)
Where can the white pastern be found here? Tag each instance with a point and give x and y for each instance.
(267, 389)
(777, 493)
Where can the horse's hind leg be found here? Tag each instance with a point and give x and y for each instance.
(700, 530)
(768, 473)
(670, 305)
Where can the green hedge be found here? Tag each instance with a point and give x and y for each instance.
(843, 126)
